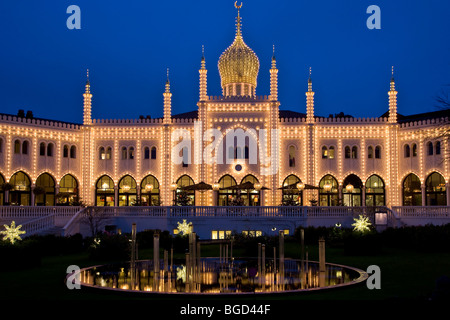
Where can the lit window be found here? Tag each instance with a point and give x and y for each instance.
(331, 153)
(101, 153)
(324, 152)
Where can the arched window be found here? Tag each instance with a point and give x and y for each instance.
(25, 146)
(347, 152)
(412, 192)
(331, 153)
(430, 148)
(153, 153)
(45, 190)
(438, 147)
(226, 193)
(435, 190)
(291, 194)
(73, 152)
(185, 155)
(150, 191)
(20, 194)
(328, 191)
(291, 156)
(124, 153)
(252, 196)
(101, 153)
(42, 149)
(17, 147)
(355, 152)
(375, 191)
(127, 191)
(1, 145)
(104, 191)
(68, 190)
(131, 153)
(324, 152)
(146, 153)
(50, 147)
(65, 151)
(108, 153)
(414, 150)
(352, 191)
(377, 152)
(184, 197)
(370, 152)
(407, 151)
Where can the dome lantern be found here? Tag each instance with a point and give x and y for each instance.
(238, 66)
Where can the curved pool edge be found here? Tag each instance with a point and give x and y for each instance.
(363, 276)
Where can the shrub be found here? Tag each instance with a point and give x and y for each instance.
(110, 247)
(19, 256)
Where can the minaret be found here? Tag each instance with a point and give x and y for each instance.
(392, 101)
(274, 78)
(203, 72)
(87, 119)
(167, 101)
(310, 101)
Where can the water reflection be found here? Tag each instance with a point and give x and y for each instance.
(213, 276)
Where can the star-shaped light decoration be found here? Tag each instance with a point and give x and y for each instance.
(181, 273)
(184, 227)
(12, 232)
(362, 224)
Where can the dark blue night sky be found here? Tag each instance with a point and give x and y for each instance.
(128, 45)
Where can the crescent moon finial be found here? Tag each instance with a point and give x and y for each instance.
(237, 7)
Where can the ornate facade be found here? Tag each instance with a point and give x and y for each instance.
(391, 160)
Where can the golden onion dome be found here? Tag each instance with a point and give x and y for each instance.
(238, 63)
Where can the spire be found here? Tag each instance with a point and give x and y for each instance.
(274, 78)
(167, 81)
(310, 101)
(309, 81)
(392, 80)
(274, 61)
(202, 80)
(87, 104)
(392, 100)
(203, 58)
(167, 101)
(238, 21)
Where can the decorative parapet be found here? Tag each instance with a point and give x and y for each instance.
(423, 123)
(351, 120)
(39, 122)
(239, 98)
(127, 121)
(293, 120)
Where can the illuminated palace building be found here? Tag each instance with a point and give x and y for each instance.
(391, 160)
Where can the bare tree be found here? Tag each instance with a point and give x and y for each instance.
(443, 130)
(95, 218)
